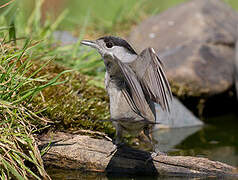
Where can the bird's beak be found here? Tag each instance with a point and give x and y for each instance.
(92, 44)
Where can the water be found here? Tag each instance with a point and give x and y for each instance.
(217, 141)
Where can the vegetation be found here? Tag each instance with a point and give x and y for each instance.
(18, 122)
(47, 86)
(29, 104)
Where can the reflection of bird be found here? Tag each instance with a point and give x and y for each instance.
(133, 82)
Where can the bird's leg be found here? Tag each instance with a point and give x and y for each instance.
(156, 151)
(118, 140)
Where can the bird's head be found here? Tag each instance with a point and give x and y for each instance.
(111, 46)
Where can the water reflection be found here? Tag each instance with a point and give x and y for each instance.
(169, 138)
(57, 174)
(218, 141)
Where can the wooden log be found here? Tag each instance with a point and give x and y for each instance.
(71, 151)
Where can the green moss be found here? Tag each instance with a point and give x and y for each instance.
(75, 104)
(184, 90)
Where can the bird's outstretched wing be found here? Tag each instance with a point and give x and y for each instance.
(135, 95)
(149, 70)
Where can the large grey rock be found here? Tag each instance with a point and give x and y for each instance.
(195, 40)
(178, 117)
(64, 37)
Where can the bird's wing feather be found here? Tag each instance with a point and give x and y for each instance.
(149, 69)
(135, 96)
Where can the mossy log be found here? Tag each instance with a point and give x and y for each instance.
(73, 151)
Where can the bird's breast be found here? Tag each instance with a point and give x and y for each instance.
(119, 106)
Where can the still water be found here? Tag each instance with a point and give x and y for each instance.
(217, 141)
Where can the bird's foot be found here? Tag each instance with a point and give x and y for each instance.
(116, 147)
(158, 153)
(154, 154)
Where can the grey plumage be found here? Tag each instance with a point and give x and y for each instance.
(133, 82)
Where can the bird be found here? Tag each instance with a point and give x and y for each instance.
(134, 83)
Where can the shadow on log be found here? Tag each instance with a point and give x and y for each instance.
(70, 151)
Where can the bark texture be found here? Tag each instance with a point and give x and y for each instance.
(72, 151)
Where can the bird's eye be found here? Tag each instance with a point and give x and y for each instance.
(109, 44)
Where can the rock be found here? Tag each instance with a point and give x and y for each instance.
(195, 40)
(71, 151)
(178, 117)
(64, 37)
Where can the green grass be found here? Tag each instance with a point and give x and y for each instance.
(38, 92)
(29, 104)
(232, 3)
(114, 17)
(18, 87)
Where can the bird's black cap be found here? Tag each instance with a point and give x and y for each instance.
(118, 42)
